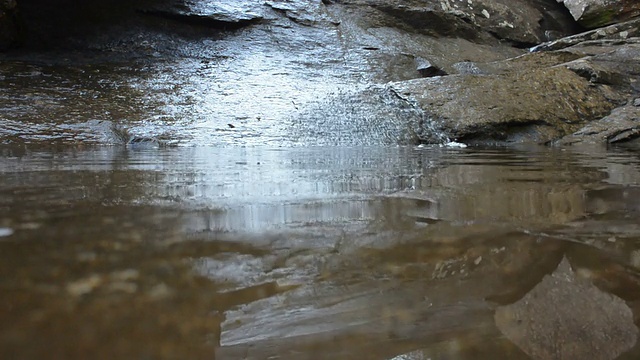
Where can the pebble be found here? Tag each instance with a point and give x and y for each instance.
(84, 286)
(160, 291)
(636, 102)
(5, 231)
(125, 275)
(123, 286)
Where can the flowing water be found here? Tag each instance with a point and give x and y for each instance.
(356, 252)
(284, 211)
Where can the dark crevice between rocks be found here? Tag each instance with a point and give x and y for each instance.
(287, 13)
(432, 22)
(509, 133)
(11, 26)
(513, 43)
(625, 135)
(53, 23)
(76, 24)
(558, 17)
(556, 22)
(426, 69)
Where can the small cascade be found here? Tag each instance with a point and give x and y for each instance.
(373, 115)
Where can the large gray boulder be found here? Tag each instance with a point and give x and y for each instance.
(596, 13)
(539, 97)
(612, 64)
(537, 105)
(569, 94)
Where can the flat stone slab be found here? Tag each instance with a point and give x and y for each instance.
(539, 105)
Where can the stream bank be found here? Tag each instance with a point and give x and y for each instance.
(309, 72)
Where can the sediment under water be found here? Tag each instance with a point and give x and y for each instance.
(318, 252)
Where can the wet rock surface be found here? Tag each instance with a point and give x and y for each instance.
(214, 14)
(622, 125)
(509, 107)
(596, 13)
(322, 60)
(522, 22)
(185, 83)
(11, 31)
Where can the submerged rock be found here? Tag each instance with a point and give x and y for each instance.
(566, 317)
(115, 134)
(143, 142)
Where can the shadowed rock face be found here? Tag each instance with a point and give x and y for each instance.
(9, 24)
(53, 23)
(519, 22)
(72, 23)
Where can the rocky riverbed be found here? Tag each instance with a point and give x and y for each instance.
(322, 72)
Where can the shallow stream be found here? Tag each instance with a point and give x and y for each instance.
(283, 212)
(319, 252)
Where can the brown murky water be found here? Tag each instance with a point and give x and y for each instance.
(319, 253)
(247, 238)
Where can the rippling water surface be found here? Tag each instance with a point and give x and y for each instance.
(277, 217)
(319, 252)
